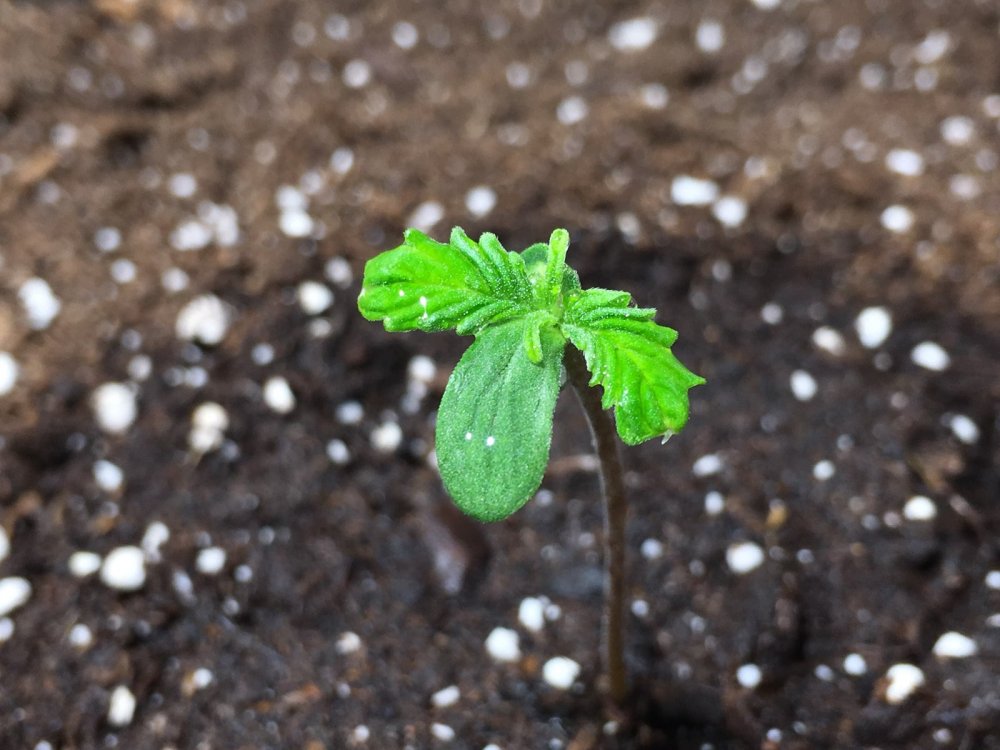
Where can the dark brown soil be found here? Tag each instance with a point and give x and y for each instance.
(102, 102)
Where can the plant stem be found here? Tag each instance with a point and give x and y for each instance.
(602, 429)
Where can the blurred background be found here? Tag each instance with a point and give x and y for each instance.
(220, 524)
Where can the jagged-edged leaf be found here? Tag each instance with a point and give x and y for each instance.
(433, 286)
(629, 356)
(494, 425)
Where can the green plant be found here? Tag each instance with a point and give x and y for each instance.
(494, 426)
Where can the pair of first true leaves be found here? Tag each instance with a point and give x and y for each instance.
(494, 425)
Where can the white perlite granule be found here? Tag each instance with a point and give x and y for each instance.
(560, 672)
(446, 697)
(278, 395)
(14, 593)
(9, 372)
(205, 320)
(744, 557)
(902, 681)
(121, 707)
(503, 644)
(124, 569)
(114, 407)
(954, 645)
(531, 614)
(749, 676)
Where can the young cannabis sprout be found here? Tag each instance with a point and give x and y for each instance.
(533, 322)
(494, 425)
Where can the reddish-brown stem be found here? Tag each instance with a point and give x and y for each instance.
(602, 429)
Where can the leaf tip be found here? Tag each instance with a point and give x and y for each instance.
(559, 241)
(412, 234)
(458, 236)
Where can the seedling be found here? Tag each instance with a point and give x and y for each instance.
(494, 426)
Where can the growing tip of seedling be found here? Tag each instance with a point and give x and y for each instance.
(556, 265)
(524, 310)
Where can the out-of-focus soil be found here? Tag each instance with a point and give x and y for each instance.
(174, 122)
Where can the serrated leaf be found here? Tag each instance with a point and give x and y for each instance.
(629, 356)
(494, 425)
(433, 286)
